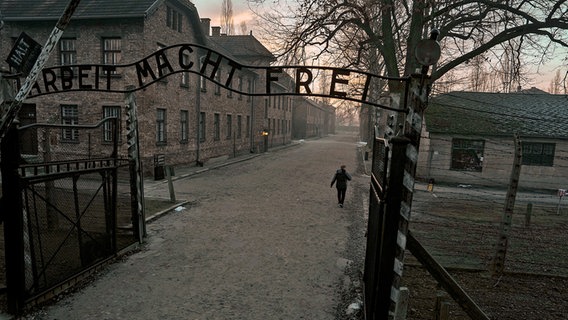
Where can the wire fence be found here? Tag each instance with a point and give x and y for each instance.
(461, 226)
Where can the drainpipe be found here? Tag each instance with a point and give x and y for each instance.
(252, 115)
(198, 116)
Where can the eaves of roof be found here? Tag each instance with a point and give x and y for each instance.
(498, 114)
(45, 10)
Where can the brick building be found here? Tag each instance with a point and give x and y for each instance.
(183, 116)
(312, 119)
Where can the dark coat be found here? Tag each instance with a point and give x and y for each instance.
(341, 177)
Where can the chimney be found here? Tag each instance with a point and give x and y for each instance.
(216, 31)
(206, 25)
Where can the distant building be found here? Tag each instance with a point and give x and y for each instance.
(468, 139)
(312, 119)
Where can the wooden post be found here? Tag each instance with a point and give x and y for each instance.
(498, 264)
(170, 183)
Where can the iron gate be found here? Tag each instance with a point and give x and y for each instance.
(65, 210)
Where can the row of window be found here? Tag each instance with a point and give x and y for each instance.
(111, 50)
(111, 46)
(70, 116)
(161, 126)
(467, 155)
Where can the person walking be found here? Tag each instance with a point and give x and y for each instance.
(340, 180)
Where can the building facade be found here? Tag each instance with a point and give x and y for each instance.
(183, 117)
(468, 139)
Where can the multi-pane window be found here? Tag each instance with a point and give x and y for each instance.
(110, 111)
(217, 85)
(174, 19)
(67, 51)
(112, 51)
(240, 87)
(70, 116)
(203, 83)
(467, 154)
(216, 126)
(185, 75)
(184, 125)
(161, 126)
(538, 154)
(229, 126)
(239, 125)
(202, 119)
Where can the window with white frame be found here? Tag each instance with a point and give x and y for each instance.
(185, 75)
(467, 154)
(184, 125)
(110, 111)
(161, 126)
(70, 116)
(67, 52)
(112, 51)
(538, 154)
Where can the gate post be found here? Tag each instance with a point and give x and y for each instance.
(390, 243)
(393, 223)
(135, 168)
(12, 214)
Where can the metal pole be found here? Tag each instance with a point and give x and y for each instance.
(49, 46)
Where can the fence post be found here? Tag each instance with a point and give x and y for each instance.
(12, 214)
(498, 263)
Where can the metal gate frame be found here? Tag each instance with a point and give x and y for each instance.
(390, 200)
(26, 263)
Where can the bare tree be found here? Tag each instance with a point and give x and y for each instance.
(393, 28)
(244, 27)
(558, 85)
(227, 25)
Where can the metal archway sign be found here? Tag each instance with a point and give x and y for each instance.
(346, 84)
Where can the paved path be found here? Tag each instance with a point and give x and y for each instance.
(261, 239)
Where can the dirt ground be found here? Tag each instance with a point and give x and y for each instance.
(460, 227)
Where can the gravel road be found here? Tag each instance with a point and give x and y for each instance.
(260, 239)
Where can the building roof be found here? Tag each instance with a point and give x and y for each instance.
(498, 114)
(242, 46)
(37, 10)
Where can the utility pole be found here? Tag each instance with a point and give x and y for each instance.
(498, 264)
